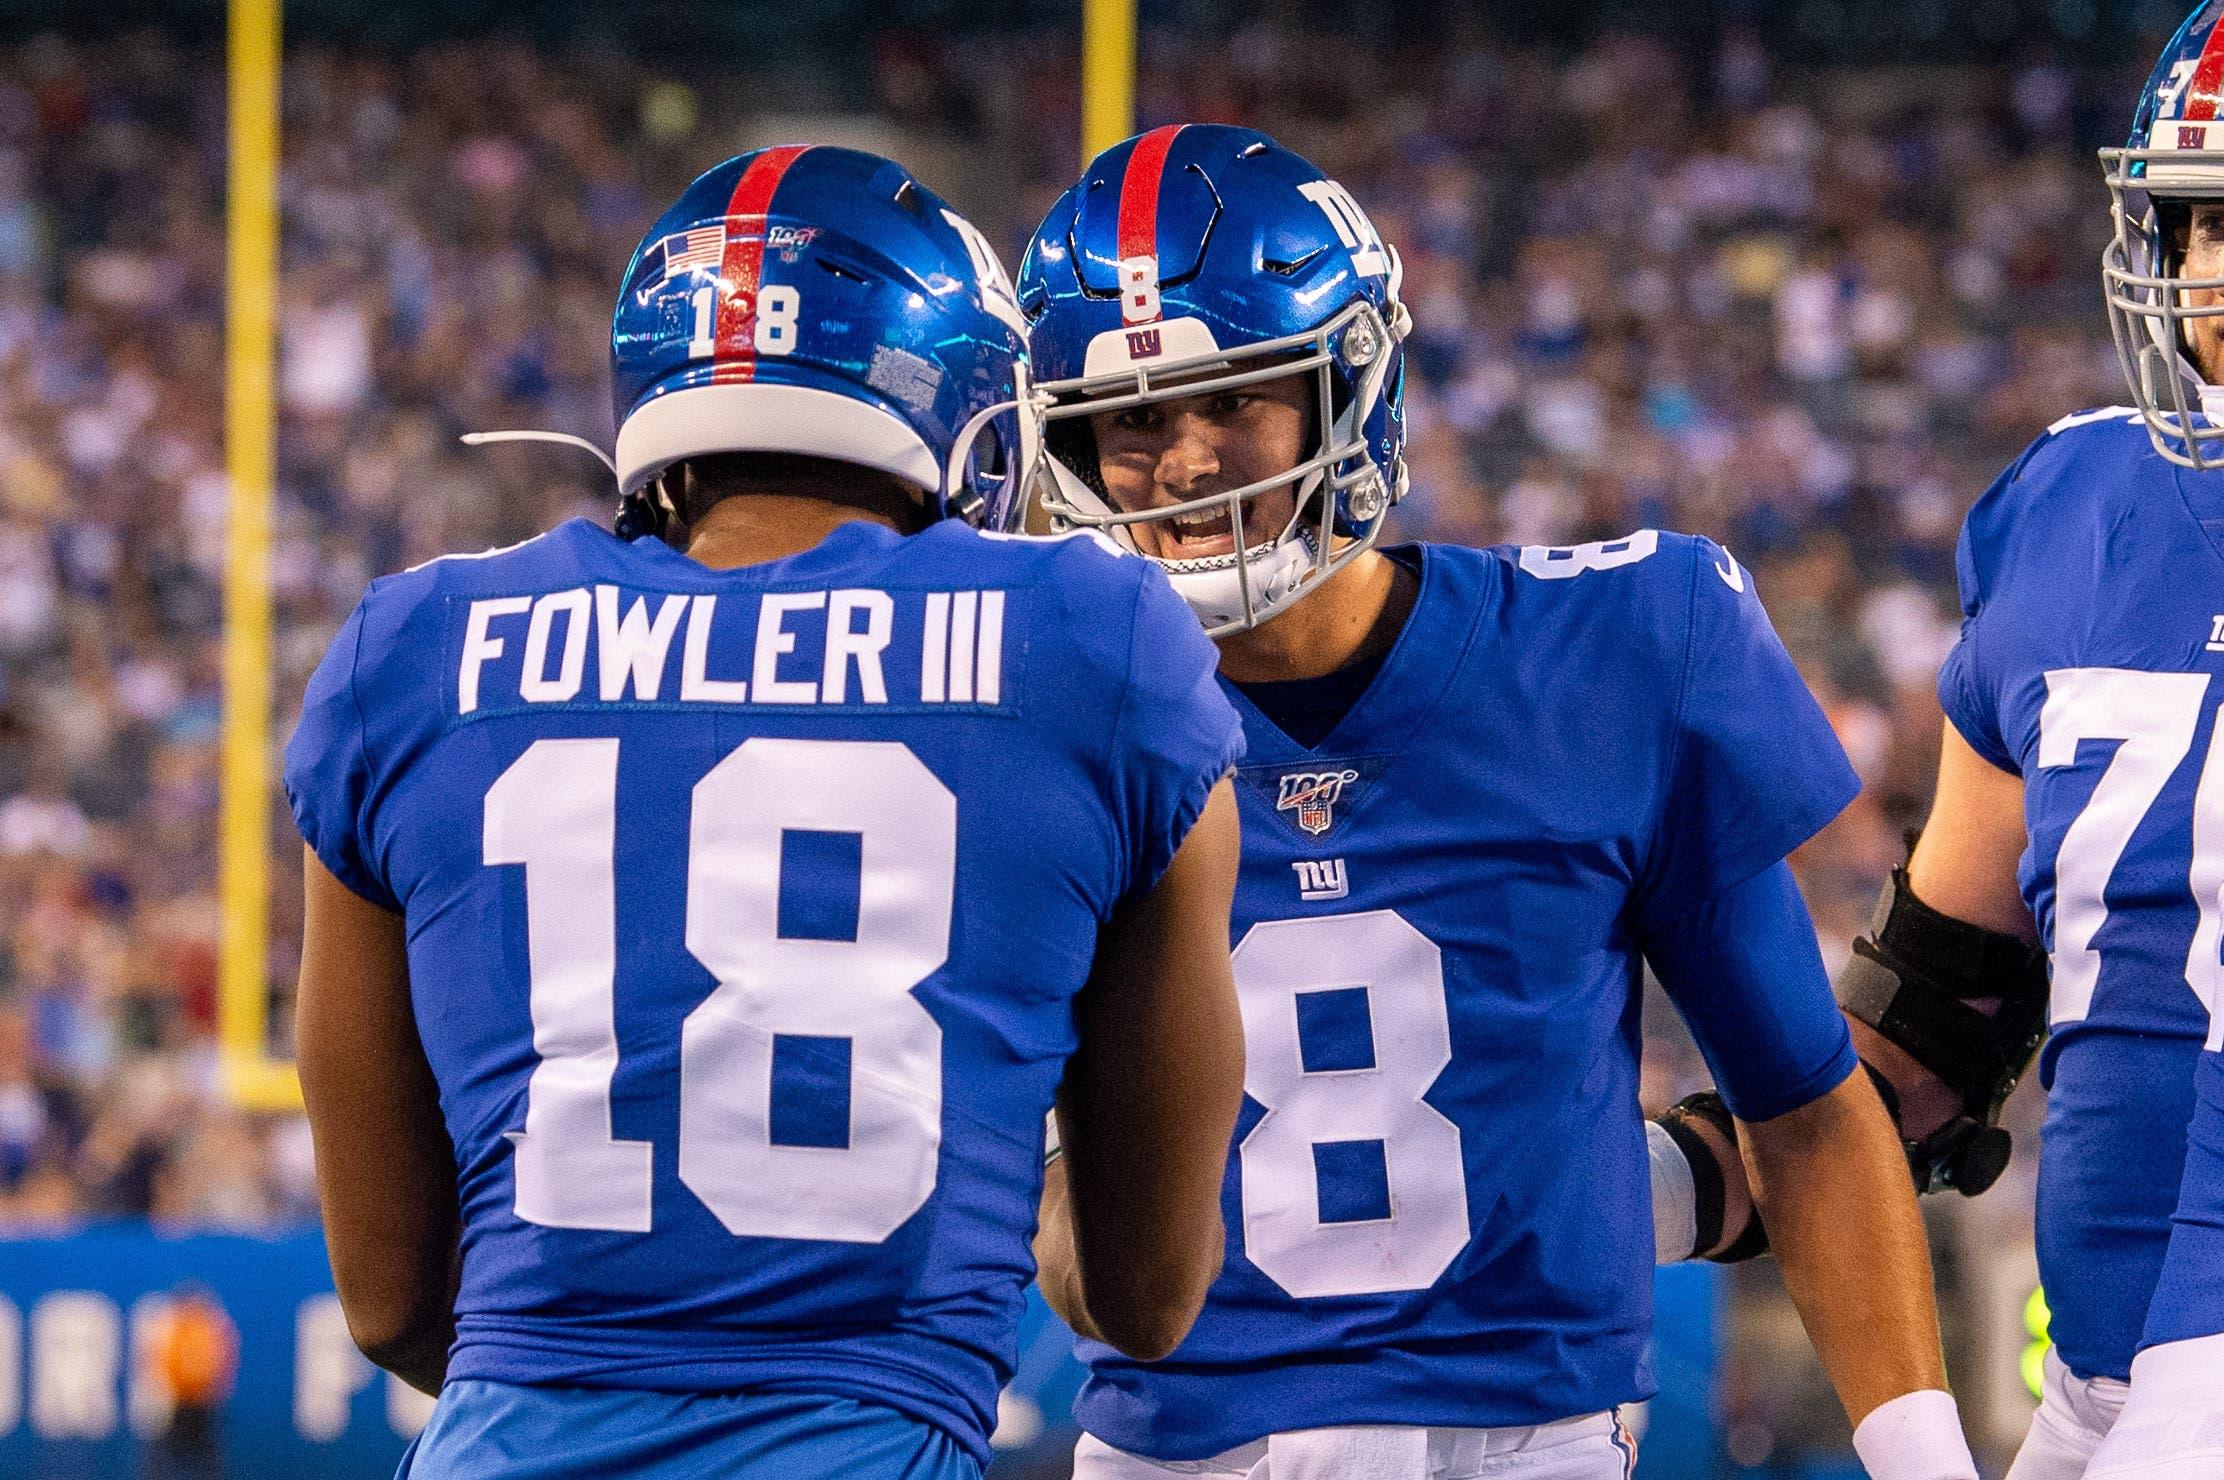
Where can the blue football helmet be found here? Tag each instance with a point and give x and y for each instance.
(2175, 158)
(821, 301)
(1200, 258)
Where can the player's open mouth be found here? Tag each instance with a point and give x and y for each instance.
(1202, 536)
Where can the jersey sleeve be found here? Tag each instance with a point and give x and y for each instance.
(1967, 684)
(1753, 767)
(1176, 734)
(1744, 971)
(328, 771)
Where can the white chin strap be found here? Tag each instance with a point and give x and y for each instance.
(1213, 587)
(1276, 569)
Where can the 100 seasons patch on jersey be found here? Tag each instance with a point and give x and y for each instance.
(1310, 797)
(1316, 796)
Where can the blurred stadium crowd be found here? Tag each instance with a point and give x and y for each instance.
(1811, 314)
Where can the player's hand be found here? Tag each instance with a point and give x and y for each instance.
(1945, 1146)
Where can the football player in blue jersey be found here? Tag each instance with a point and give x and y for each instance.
(701, 925)
(2079, 822)
(1481, 788)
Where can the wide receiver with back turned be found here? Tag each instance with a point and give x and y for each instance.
(1481, 788)
(682, 994)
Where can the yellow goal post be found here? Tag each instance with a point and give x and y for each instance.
(1107, 74)
(254, 1078)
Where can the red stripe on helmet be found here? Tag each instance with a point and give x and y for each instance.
(1146, 164)
(734, 356)
(2208, 80)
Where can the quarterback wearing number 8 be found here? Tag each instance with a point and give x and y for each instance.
(1481, 789)
(682, 992)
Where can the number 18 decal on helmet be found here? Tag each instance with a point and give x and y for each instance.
(1202, 261)
(819, 302)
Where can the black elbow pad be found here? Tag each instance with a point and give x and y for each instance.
(1966, 1003)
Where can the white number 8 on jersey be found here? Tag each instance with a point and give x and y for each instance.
(1284, 1234)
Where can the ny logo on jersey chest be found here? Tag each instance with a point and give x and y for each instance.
(1322, 878)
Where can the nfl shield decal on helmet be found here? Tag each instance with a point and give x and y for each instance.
(1312, 797)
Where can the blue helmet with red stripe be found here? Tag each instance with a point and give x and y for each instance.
(2175, 159)
(821, 301)
(1198, 258)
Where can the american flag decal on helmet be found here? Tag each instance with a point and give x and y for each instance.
(682, 251)
(701, 247)
(1312, 795)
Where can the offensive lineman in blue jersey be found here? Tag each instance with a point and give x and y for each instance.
(1479, 787)
(2080, 808)
(696, 941)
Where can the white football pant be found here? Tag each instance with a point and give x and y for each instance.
(1594, 1447)
(2075, 1414)
(2172, 1424)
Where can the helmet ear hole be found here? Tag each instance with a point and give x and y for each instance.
(1073, 442)
(2173, 229)
(983, 485)
(992, 459)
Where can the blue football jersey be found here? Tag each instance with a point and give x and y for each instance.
(745, 914)
(1438, 1206)
(2093, 599)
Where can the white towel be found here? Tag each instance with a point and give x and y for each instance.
(1360, 1453)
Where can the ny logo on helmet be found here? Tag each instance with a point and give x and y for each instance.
(1312, 796)
(1142, 344)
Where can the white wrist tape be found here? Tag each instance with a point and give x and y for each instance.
(1675, 1201)
(1916, 1436)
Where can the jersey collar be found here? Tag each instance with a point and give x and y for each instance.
(1413, 678)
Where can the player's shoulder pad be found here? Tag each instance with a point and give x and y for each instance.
(1633, 602)
(1083, 567)
(402, 614)
(2081, 464)
(1647, 568)
(504, 569)
(2106, 438)
(1108, 610)
(1085, 550)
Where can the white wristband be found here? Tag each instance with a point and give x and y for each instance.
(1675, 1200)
(1916, 1436)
